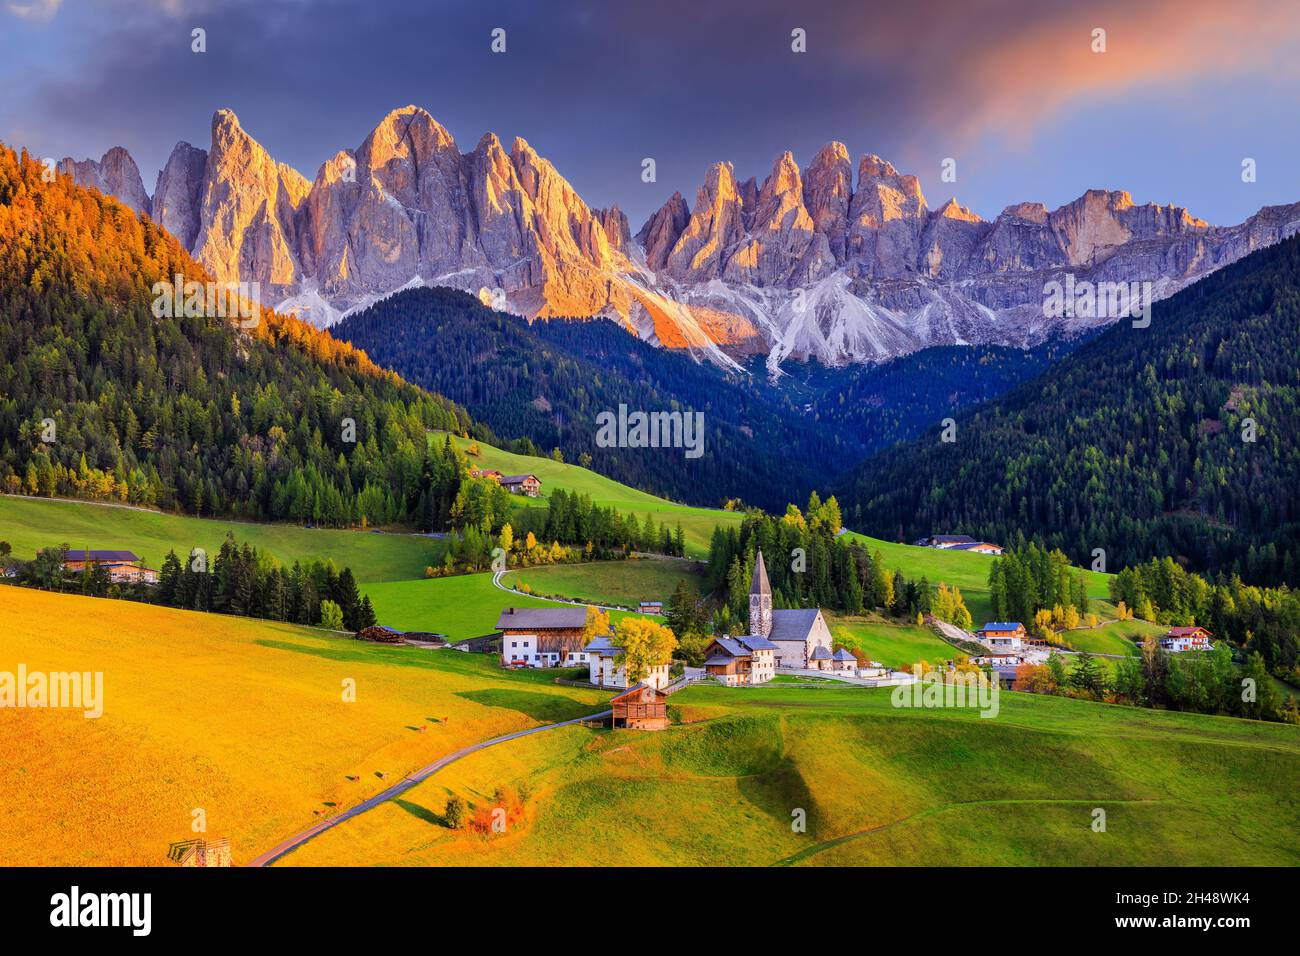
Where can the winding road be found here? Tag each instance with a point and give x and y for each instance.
(496, 580)
(403, 785)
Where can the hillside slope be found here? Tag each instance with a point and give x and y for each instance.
(1139, 443)
(102, 398)
(880, 786)
(244, 719)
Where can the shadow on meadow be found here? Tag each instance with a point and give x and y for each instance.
(541, 707)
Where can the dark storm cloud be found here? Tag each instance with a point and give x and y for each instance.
(596, 87)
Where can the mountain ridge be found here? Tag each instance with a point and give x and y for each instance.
(806, 264)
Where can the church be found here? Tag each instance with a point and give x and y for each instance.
(801, 637)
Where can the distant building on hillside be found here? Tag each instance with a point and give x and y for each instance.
(529, 485)
(642, 707)
(123, 567)
(1003, 635)
(542, 636)
(796, 632)
(1191, 638)
(489, 473)
(652, 607)
(958, 542)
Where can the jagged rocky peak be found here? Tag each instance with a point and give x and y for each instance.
(716, 223)
(614, 221)
(827, 194)
(661, 231)
(782, 245)
(115, 174)
(179, 191)
(886, 218)
(247, 228)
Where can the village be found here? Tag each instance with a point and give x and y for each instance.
(794, 644)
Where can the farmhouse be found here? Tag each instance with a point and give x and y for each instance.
(1003, 635)
(604, 669)
(740, 660)
(652, 607)
(1193, 638)
(123, 567)
(529, 485)
(488, 473)
(797, 633)
(542, 637)
(640, 708)
(958, 542)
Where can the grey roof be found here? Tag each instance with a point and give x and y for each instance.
(756, 643)
(528, 618)
(732, 646)
(820, 653)
(718, 659)
(758, 583)
(93, 555)
(844, 655)
(515, 479)
(951, 537)
(793, 624)
(603, 647)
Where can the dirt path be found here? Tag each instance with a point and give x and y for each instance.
(403, 785)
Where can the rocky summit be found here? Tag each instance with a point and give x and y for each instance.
(824, 262)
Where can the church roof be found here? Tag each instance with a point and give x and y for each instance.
(843, 655)
(793, 625)
(758, 583)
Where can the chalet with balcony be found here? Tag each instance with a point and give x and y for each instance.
(1192, 638)
(740, 660)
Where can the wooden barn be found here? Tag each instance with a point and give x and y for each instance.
(640, 708)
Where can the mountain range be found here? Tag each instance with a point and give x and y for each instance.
(810, 263)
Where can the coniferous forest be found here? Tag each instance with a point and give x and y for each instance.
(1173, 440)
(99, 399)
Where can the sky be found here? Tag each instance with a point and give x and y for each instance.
(1014, 91)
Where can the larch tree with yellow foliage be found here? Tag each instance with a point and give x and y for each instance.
(645, 644)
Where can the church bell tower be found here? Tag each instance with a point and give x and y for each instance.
(760, 600)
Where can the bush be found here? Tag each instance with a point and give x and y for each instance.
(455, 812)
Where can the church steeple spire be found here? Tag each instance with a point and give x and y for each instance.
(760, 600)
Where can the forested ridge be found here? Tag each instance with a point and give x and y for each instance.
(1139, 443)
(187, 414)
(548, 381)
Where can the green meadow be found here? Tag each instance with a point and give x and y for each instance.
(30, 524)
(875, 785)
(697, 523)
(625, 583)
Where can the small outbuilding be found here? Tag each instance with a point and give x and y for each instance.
(640, 708)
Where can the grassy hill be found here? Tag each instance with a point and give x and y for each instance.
(880, 786)
(609, 582)
(244, 719)
(30, 524)
(697, 523)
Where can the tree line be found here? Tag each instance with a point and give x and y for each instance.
(239, 579)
